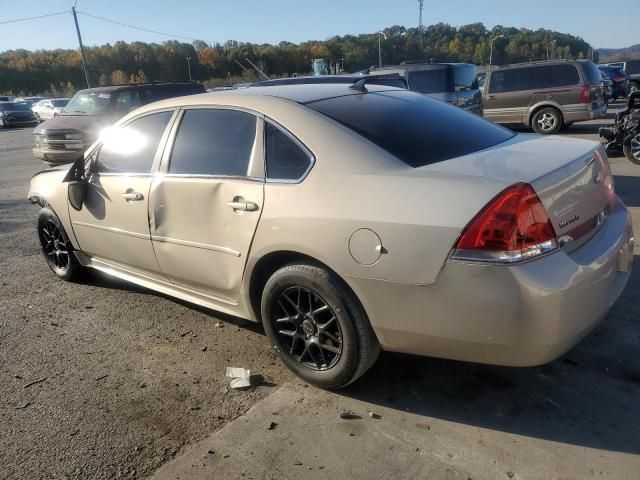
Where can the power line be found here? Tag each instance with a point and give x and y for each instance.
(140, 28)
(33, 18)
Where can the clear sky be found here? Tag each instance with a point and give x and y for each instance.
(600, 23)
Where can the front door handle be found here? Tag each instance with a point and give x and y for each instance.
(131, 196)
(242, 205)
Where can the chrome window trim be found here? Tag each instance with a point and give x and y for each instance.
(305, 149)
(144, 236)
(155, 165)
(211, 177)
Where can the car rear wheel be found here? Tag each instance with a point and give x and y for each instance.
(316, 325)
(631, 149)
(38, 119)
(56, 247)
(547, 121)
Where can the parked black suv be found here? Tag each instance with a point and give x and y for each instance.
(454, 83)
(64, 138)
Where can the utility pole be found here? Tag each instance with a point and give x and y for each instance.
(189, 68)
(84, 65)
(420, 5)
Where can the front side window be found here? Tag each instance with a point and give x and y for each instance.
(633, 67)
(132, 148)
(286, 160)
(429, 81)
(127, 101)
(213, 142)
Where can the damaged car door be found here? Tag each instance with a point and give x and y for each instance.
(205, 205)
(112, 224)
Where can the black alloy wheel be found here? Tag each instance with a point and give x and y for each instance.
(308, 328)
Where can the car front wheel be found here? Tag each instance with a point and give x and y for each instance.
(56, 247)
(317, 326)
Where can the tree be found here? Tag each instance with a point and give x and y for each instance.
(118, 77)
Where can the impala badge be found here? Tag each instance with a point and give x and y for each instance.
(569, 221)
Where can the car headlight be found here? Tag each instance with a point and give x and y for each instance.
(72, 136)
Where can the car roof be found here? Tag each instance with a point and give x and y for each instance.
(113, 88)
(538, 64)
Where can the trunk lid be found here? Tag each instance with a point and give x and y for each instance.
(571, 177)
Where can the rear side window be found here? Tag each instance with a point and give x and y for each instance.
(464, 77)
(416, 129)
(132, 148)
(429, 81)
(512, 80)
(286, 160)
(213, 142)
(592, 72)
(549, 76)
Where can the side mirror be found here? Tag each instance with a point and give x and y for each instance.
(76, 191)
(76, 178)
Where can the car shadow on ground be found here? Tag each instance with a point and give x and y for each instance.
(588, 398)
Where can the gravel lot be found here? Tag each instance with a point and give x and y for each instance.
(126, 377)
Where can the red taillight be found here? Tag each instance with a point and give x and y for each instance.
(585, 94)
(514, 226)
(618, 79)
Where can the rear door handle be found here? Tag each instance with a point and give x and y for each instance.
(243, 205)
(131, 196)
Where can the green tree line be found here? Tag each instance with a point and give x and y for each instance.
(59, 71)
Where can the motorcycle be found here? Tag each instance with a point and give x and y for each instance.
(625, 133)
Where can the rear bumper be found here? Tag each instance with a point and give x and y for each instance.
(582, 112)
(520, 315)
(57, 156)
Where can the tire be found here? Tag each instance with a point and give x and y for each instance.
(631, 149)
(315, 308)
(547, 121)
(38, 119)
(56, 247)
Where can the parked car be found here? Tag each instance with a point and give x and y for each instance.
(632, 69)
(49, 108)
(390, 80)
(544, 95)
(453, 83)
(619, 80)
(29, 101)
(13, 114)
(64, 137)
(349, 220)
(7, 98)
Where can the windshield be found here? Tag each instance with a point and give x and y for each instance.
(92, 103)
(416, 129)
(60, 102)
(13, 107)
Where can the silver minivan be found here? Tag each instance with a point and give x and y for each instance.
(543, 95)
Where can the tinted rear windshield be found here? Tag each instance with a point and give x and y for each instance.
(416, 129)
(430, 81)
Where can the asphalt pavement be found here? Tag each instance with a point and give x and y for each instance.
(130, 384)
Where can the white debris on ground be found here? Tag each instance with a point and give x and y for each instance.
(241, 377)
